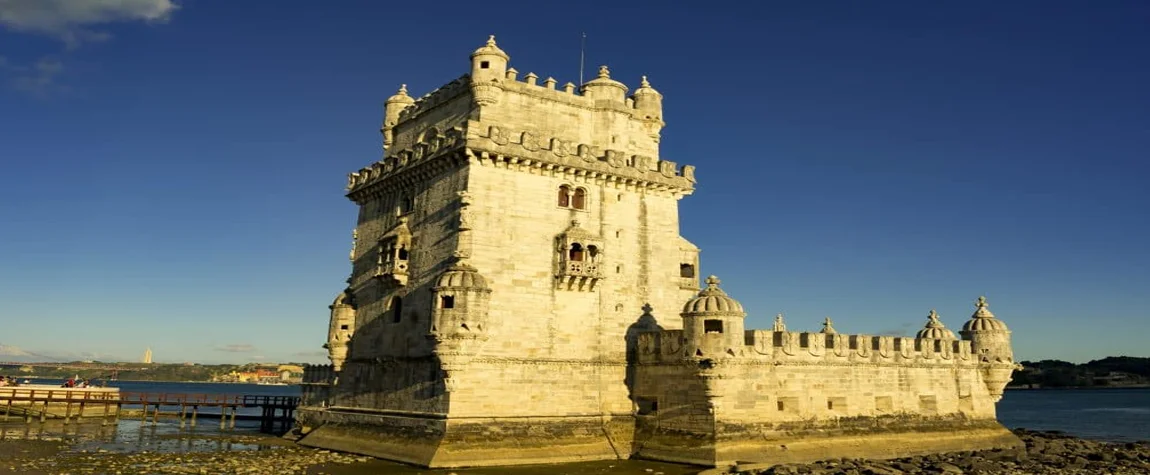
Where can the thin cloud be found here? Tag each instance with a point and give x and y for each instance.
(236, 348)
(38, 79)
(73, 21)
(310, 354)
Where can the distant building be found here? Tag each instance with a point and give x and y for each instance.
(520, 293)
(147, 359)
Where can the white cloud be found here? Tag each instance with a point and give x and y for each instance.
(71, 20)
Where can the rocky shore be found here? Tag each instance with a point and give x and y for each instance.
(1045, 453)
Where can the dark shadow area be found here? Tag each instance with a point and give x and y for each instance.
(644, 324)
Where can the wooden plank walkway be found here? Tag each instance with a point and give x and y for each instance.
(44, 403)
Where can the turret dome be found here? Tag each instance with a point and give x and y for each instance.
(645, 89)
(983, 320)
(344, 299)
(935, 329)
(712, 301)
(462, 276)
(401, 96)
(490, 49)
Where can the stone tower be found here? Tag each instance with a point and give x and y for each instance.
(509, 239)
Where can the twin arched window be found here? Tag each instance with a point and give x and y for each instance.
(575, 198)
(578, 253)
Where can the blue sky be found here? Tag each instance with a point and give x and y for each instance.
(171, 175)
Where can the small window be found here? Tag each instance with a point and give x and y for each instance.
(647, 405)
(396, 309)
(406, 205)
(576, 253)
(564, 196)
(781, 405)
(580, 199)
(447, 301)
(687, 270)
(484, 64)
(713, 326)
(343, 327)
(402, 254)
(592, 253)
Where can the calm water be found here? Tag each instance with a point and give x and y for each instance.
(1107, 414)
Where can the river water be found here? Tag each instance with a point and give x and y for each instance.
(1104, 414)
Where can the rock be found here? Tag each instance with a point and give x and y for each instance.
(945, 467)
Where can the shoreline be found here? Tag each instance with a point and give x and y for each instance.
(58, 449)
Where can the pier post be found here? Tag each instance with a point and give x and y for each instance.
(195, 409)
(80, 416)
(223, 417)
(183, 410)
(8, 409)
(233, 423)
(107, 406)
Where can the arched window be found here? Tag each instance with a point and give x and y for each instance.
(580, 199)
(592, 253)
(564, 196)
(576, 253)
(402, 254)
(396, 309)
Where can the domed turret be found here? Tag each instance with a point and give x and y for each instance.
(605, 88)
(990, 344)
(460, 308)
(935, 329)
(648, 101)
(391, 109)
(340, 328)
(488, 70)
(713, 323)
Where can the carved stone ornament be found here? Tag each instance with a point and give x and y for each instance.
(529, 142)
(614, 158)
(498, 135)
(561, 148)
(667, 168)
(589, 153)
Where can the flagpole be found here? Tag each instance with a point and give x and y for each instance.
(582, 54)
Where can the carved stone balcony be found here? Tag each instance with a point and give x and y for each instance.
(578, 275)
(394, 270)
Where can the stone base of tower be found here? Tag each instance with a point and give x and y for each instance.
(868, 438)
(470, 442)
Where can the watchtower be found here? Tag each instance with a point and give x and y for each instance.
(509, 238)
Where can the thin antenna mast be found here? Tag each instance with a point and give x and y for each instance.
(582, 54)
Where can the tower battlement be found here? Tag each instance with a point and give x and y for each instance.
(597, 132)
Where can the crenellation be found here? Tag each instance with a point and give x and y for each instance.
(520, 293)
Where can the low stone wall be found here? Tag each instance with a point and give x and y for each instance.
(869, 437)
(435, 441)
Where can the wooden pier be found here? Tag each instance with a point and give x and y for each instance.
(41, 403)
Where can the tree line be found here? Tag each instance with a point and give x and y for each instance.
(1112, 371)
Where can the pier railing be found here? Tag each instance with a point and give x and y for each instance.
(109, 403)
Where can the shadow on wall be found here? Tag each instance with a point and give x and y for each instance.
(645, 323)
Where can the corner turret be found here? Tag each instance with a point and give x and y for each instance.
(603, 88)
(713, 323)
(488, 70)
(340, 328)
(458, 318)
(391, 109)
(990, 343)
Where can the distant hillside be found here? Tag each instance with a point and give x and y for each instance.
(1113, 371)
(19, 355)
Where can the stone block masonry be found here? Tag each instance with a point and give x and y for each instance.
(520, 293)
